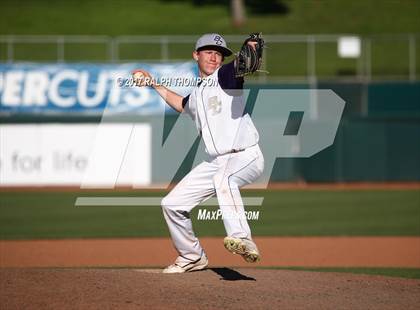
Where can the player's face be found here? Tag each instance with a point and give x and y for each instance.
(208, 61)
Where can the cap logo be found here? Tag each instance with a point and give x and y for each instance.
(218, 40)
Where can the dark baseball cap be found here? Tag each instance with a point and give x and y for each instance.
(213, 41)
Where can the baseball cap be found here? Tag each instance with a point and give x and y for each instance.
(213, 41)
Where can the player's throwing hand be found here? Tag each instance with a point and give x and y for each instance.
(142, 78)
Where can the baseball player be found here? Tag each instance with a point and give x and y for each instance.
(217, 107)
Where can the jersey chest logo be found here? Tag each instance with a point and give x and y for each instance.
(214, 105)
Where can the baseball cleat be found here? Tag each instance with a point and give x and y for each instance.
(199, 264)
(244, 247)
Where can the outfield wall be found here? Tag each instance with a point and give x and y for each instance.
(75, 155)
(57, 154)
(377, 139)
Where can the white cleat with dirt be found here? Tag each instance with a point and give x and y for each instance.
(244, 247)
(199, 264)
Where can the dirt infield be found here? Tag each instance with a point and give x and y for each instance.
(159, 252)
(215, 288)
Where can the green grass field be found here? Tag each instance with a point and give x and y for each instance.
(42, 215)
(409, 273)
(32, 215)
(39, 215)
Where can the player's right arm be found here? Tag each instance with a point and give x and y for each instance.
(171, 98)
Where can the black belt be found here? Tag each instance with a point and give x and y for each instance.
(236, 151)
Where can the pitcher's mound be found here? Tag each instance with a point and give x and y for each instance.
(213, 288)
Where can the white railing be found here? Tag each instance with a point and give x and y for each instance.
(315, 56)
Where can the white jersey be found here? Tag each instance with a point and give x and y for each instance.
(219, 116)
(218, 109)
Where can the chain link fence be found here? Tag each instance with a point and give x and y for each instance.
(288, 58)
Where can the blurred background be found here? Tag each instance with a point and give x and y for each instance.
(59, 62)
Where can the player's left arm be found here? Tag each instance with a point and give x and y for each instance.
(227, 78)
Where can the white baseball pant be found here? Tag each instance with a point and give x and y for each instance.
(223, 175)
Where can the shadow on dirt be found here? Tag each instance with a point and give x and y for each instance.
(228, 274)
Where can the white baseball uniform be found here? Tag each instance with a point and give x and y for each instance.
(235, 159)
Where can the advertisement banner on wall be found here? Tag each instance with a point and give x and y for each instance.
(86, 88)
(72, 155)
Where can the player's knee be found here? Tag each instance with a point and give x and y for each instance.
(172, 208)
(171, 203)
(225, 184)
(220, 181)
(167, 202)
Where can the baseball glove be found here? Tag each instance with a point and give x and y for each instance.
(249, 59)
